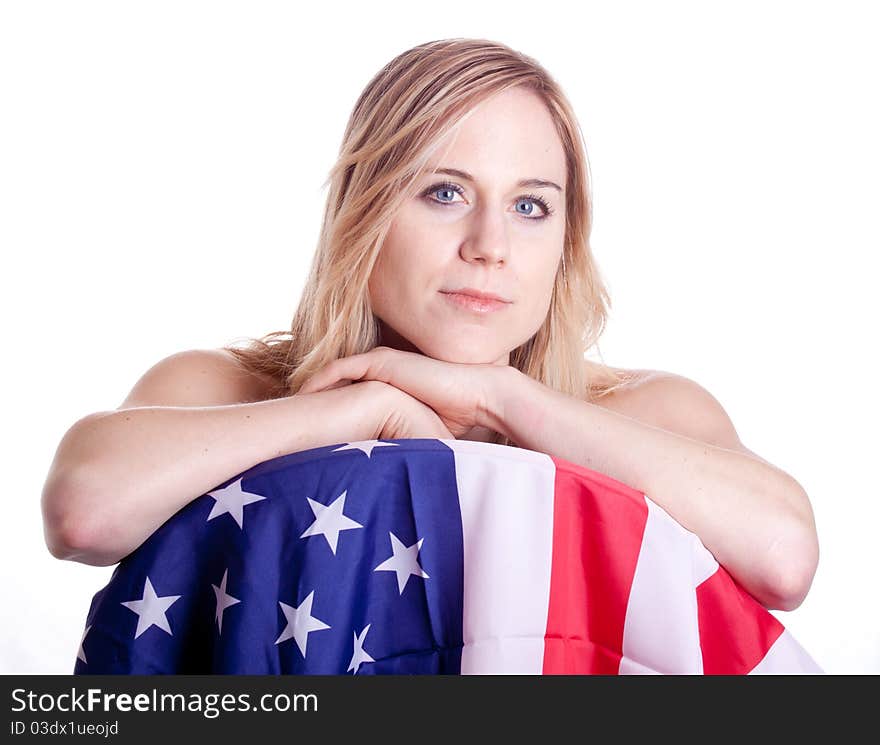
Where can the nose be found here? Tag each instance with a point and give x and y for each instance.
(486, 239)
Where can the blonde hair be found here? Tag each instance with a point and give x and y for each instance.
(397, 123)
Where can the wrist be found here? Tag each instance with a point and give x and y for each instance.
(372, 402)
(503, 384)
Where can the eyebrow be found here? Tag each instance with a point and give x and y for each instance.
(535, 182)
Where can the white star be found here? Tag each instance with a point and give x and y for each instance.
(232, 499)
(80, 655)
(223, 601)
(151, 609)
(300, 623)
(329, 521)
(404, 561)
(359, 655)
(366, 446)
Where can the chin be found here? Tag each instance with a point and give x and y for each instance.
(465, 354)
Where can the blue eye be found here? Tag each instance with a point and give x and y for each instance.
(448, 190)
(448, 186)
(538, 200)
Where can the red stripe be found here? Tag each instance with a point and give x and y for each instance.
(736, 631)
(598, 524)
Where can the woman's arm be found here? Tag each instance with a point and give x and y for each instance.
(118, 475)
(755, 519)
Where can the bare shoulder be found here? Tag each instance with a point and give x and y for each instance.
(256, 385)
(628, 398)
(196, 377)
(675, 403)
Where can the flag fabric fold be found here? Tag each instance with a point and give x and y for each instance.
(422, 556)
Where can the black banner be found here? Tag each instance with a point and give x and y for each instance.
(144, 708)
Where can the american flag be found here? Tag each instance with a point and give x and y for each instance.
(422, 556)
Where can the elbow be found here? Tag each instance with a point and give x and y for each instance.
(67, 539)
(794, 567)
(70, 533)
(791, 596)
(65, 534)
(62, 529)
(68, 505)
(76, 540)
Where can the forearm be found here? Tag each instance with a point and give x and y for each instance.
(748, 513)
(117, 476)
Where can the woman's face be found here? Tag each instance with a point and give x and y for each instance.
(481, 231)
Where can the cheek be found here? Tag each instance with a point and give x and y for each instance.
(384, 289)
(538, 289)
(395, 278)
(376, 284)
(414, 257)
(539, 275)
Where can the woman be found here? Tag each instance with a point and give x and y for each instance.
(462, 175)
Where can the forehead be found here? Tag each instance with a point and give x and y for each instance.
(509, 136)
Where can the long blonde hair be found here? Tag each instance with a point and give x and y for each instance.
(397, 123)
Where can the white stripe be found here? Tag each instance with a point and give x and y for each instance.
(786, 657)
(507, 497)
(661, 633)
(705, 565)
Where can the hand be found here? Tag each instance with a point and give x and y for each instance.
(409, 418)
(459, 393)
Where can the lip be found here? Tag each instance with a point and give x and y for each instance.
(472, 292)
(478, 303)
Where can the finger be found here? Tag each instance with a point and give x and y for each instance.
(411, 372)
(420, 376)
(313, 386)
(338, 384)
(333, 374)
(347, 368)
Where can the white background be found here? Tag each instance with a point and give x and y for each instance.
(161, 170)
